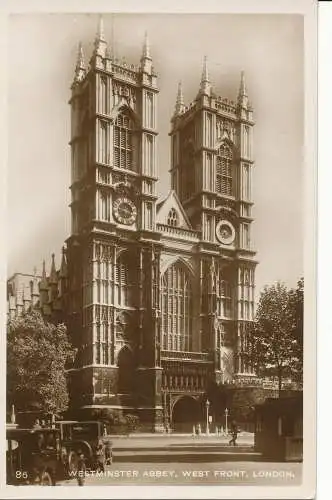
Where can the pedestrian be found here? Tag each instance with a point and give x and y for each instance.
(234, 432)
(108, 453)
(81, 468)
(100, 455)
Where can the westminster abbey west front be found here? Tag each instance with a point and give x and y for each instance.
(161, 291)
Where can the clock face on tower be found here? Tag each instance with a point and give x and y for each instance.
(225, 232)
(124, 210)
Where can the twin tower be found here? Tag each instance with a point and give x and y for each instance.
(160, 292)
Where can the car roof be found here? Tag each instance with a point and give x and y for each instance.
(24, 432)
(78, 422)
(66, 421)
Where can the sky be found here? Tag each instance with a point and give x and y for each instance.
(42, 55)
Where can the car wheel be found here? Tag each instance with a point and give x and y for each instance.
(72, 461)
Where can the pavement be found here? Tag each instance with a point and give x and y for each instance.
(134, 441)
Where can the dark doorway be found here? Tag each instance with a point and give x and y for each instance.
(186, 413)
(126, 373)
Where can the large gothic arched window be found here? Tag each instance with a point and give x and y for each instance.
(176, 297)
(124, 141)
(224, 180)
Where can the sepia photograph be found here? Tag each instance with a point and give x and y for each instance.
(159, 226)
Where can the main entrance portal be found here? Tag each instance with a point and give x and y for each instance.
(186, 413)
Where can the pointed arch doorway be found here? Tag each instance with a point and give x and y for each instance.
(186, 412)
(126, 371)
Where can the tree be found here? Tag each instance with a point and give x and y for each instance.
(296, 302)
(275, 334)
(37, 353)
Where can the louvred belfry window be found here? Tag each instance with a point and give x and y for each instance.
(123, 142)
(176, 296)
(224, 181)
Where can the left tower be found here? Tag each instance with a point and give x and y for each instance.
(113, 251)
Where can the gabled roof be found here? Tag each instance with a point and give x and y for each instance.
(166, 205)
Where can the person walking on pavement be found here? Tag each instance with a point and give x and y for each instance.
(81, 468)
(100, 455)
(234, 432)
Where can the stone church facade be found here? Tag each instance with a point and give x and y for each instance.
(159, 294)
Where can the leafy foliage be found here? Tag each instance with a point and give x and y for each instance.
(37, 353)
(276, 337)
(243, 401)
(296, 301)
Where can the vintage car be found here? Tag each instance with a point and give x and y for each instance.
(33, 456)
(88, 438)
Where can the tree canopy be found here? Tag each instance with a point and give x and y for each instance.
(277, 334)
(37, 353)
(296, 301)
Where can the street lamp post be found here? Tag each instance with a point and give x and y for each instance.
(13, 416)
(207, 405)
(226, 423)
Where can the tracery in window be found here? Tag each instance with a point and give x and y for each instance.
(176, 298)
(173, 218)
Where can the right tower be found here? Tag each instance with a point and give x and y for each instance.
(211, 172)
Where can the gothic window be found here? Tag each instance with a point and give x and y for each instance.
(148, 216)
(209, 130)
(149, 154)
(246, 236)
(224, 184)
(209, 176)
(125, 279)
(173, 218)
(225, 296)
(176, 295)
(246, 182)
(123, 142)
(149, 110)
(208, 228)
(103, 104)
(103, 143)
(104, 206)
(246, 138)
